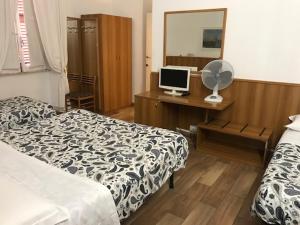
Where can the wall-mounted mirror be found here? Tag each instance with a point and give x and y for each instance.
(194, 38)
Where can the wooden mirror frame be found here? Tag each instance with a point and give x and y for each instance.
(196, 11)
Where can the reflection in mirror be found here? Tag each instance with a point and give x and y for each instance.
(194, 38)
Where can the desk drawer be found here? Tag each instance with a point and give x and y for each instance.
(148, 111)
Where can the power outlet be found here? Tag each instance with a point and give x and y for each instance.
(193, 129)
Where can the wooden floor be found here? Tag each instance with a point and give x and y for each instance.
(212, 189)
(126, 114)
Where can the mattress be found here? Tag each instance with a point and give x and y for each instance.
(133, 161)
(42, 194)
(277, 200)
(21, 110)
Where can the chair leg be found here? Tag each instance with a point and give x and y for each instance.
(171, 181)
(94, 106)
(66, 104)
(79, 104)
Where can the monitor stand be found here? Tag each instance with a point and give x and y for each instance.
(173, 92)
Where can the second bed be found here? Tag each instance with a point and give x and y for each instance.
(20, 110)
(277, 200)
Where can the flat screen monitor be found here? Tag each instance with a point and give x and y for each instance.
(175, 79)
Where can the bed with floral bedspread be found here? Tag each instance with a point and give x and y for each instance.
(132, 160)
(20, 110)
(278, 198)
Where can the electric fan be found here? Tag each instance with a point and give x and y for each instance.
(216, 76)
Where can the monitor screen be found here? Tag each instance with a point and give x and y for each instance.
(172, 78)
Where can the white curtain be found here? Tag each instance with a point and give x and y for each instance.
(52, 25)
(9, 55)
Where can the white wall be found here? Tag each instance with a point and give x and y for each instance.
(261, 36)
(148, 6)
(76, 8)
(42, 86)
(185, 33)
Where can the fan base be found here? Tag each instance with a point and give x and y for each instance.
(214, 99)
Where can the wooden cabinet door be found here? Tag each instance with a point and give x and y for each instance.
(116, 38)
(109, 34)
(125, 62)
(148, 112)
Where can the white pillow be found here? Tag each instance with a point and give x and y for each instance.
(295, 125)
(20, 206)
(293, 117)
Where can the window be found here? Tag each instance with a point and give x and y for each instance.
(23, 50)
(23, 37)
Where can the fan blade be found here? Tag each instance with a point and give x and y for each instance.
(225, 79)
(210, 81)
(226, 76)
(215, 67)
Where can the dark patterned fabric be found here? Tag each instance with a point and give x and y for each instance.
(20, 110)
(132, 160)
(277, 200)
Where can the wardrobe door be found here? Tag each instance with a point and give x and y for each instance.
(116, 62)
(125, 62)
(109, 68)
(90, 53)
(118, 75)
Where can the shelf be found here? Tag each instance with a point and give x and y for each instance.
(243, 130)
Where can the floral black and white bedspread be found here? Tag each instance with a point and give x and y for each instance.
(132, 160)
(20, 110)
(277, 200)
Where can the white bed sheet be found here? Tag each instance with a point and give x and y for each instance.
(20, 206)
(290, 136)
(87, 202)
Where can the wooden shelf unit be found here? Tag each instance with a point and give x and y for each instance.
(261, 134)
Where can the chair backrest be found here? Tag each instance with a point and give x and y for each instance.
(87, 82)
(74, 82)
(73, 77)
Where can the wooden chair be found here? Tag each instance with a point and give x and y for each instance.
(74, 82)
(84, 97)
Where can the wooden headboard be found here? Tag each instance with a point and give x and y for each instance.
(199, 62)
(258, 103)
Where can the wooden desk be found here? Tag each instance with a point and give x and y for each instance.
(158, 109)
(186, 100)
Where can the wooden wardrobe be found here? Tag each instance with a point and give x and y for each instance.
(106, 46)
